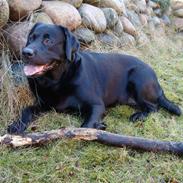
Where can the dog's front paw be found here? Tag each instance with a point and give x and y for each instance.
(100, 126)
(16, 128)
(96, 125)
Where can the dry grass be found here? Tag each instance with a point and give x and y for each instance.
(13, 97)
(70, 161)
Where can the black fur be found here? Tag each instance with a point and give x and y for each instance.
(85, 80)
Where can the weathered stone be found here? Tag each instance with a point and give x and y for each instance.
(143, 19)
(141, 5)
(158, 12)
(84, 35)
(16, 36)
(118, 28)
(149, 11)
(62, 13)
(156, 21)
(132, 7)
(76, 3)
(21, 8)
(123, 7)
(134, 18)
(4, 12)
(166, 20)
(41, 17)
(178, 13)
(178, 23)
(117, 5)
(128, 26)
(168, 11)
(153, 5)
(127, 3)
(93, 17)
(111, 17)
(127, 40)
(109, 39)
(178, 4)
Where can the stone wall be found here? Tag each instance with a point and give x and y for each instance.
(114, 22)
(177, 11)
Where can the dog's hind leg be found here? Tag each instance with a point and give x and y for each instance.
(145, 91)
(146, 108)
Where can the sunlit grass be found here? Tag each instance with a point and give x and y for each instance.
(71, 161)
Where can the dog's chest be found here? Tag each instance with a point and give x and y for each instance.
(68, 102)
(59, 97)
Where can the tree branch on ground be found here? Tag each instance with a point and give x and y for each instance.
(86, 134)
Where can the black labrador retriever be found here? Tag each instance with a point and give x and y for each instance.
(61, 76)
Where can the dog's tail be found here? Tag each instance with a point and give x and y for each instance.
(168, 105)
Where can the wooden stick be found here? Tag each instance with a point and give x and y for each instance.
(93, 135)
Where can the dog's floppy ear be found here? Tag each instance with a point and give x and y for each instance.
(72, 46)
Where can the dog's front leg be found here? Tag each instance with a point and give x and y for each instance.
(27, 116)
(95, 116)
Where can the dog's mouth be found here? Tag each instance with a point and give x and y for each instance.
(36, 70)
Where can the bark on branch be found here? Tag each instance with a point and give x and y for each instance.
(93, 135)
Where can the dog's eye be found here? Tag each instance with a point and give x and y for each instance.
(47, 41)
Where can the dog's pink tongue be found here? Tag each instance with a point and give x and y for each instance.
(30, 70)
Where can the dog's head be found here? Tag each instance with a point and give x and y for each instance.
(47, 46)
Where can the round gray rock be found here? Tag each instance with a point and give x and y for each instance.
(178, 23)
(21, 8)
(127, 40)
(134, 18)
(62, 13)
(128, 26)
(109, 39)
(177, 4)
(141, 4)
(158, 12)
(93, 18)
(166, 20)
(156, 21)
(178, 13)
(117, 5)
(41, 17)
(16, 36)
(153, 4)
(84, 35)
(4, 12)
(118, 28)
(111, 17)
(143, 19)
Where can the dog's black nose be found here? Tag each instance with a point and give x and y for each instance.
(28, 52)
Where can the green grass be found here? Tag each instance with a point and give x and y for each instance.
(73, 161)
